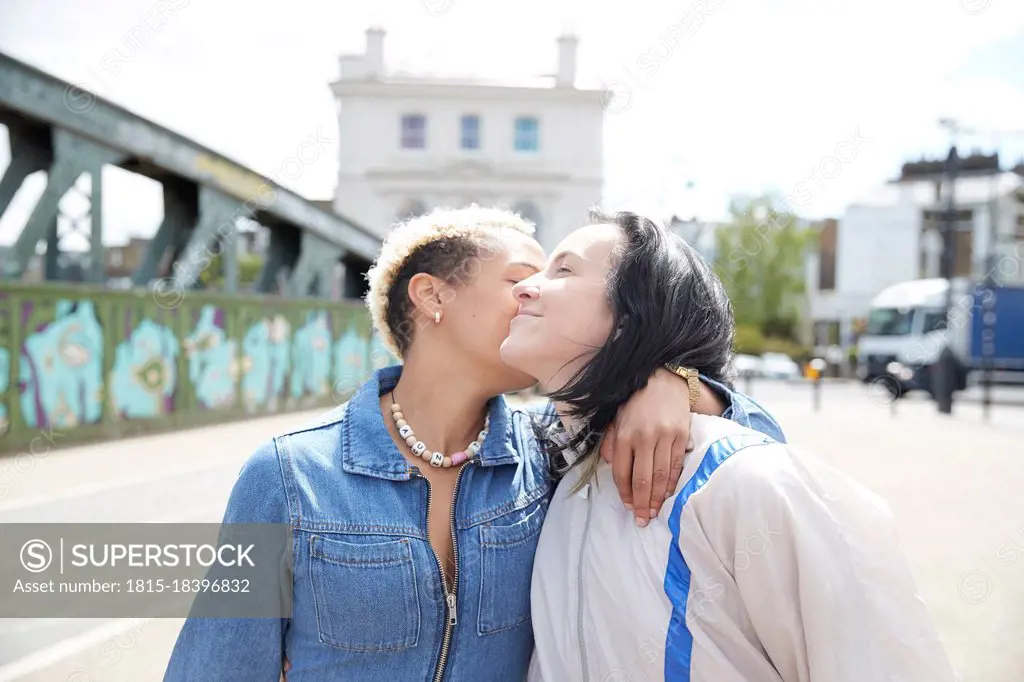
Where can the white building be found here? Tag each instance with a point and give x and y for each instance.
(409, 143)
(701, 235)
(893, 235)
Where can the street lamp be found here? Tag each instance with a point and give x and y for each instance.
(945, 379)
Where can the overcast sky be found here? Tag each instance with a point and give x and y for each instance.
(752, 98)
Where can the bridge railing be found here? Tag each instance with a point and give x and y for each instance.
(82, 364)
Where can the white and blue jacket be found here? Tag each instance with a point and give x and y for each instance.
(764, 566)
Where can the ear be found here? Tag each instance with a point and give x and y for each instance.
(425, 293)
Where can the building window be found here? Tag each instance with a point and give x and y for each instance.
(529, 211)
(470, 138)
(827, 243)
(527, 134)
(963, 252)
(414, 131)
(413, 208)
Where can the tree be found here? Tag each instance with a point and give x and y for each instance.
(249, 266)
(760, 259)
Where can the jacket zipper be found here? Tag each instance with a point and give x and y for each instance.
(585, 670)
(449, 597)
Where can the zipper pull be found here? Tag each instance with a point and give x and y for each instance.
(452, 618)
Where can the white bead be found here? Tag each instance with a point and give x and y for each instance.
(410, 441)
(405, 431)
(472, 449)
(481, 436)
(397, 416)
(419, 447)
(395, 407)
(400, 423)
(437, 459)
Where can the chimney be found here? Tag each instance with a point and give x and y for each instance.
(566, 75)
(374, 63)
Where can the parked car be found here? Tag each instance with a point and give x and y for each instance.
(779, 366)
(746, 366)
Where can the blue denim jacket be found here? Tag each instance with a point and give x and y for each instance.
(369, 602)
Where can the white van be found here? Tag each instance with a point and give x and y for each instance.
(906, 324)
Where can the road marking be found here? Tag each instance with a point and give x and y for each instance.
(75, 644)
(66, 648)
(101, 486)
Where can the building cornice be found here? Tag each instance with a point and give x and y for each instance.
(407, 89)
(466, 170)
(426, 176)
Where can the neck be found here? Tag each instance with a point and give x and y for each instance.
(443, 403)
(556, 382)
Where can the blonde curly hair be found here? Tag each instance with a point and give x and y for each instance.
(440, 242)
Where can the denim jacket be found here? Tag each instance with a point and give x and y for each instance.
(369, 600)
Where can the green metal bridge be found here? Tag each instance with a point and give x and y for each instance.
(83, 362)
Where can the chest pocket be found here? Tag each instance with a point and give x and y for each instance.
(365, 594)
(506, 561)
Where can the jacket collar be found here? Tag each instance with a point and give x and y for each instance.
(367, 447)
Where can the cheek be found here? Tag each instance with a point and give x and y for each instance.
(487, 313)
(594, 326)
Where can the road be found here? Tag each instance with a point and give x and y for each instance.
(953, 484)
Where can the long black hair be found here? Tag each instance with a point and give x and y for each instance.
(667, 306)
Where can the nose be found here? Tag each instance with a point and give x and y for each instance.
(526, 290)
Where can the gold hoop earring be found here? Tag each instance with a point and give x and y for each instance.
(437, 317)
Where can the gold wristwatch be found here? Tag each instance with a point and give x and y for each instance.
(692, 377)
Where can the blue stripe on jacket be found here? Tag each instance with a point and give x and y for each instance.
(679, 641)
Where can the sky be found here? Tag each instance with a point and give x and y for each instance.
(818, 100)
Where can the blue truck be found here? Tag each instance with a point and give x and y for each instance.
(907, 332)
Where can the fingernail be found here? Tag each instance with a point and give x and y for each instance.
(629, 506)
(641, 522)
(654, 514)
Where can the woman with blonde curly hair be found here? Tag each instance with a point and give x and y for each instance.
(416, 507)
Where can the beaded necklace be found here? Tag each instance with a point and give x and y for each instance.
(419, 448)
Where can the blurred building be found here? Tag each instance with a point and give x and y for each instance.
(408, 143)
(698, 234)
(893, 234)
(124, 260)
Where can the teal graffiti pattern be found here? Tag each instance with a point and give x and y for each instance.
(350, 364)
(5, 381)
(213, 365)
(265, 362)
(380, 356)
(58, 374)
(144, 376)
(60, 370)
(311, 356)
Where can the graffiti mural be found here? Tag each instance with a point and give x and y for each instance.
(311, 356)
(380, 356)
(213, 365)
(5, 380)
(60, 368)
(145, 374)
(349, 365)
(265, 362)
(115, 363)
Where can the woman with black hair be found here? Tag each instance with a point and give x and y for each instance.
(768, 566)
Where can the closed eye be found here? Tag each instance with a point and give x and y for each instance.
(563, 268)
